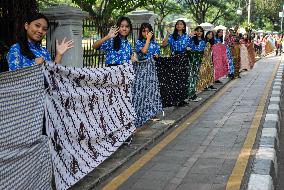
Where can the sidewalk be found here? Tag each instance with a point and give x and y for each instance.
(144, 137)
(150, 133)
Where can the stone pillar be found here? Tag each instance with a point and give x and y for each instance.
(66, 22)
(141, 16)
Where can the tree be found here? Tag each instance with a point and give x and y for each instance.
(104, 11)
(209, 10)
(163, 8)
(267, 11)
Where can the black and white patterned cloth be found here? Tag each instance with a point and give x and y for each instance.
(24, 156)
(146, 93)
(89, 115)
(173, 73)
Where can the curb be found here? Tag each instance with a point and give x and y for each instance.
(264, 171)
(97, 181)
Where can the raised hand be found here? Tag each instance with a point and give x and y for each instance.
(113, 32)
(62, 47)
(149, 35)
(39, 60)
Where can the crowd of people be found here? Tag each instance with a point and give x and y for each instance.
(198, 60)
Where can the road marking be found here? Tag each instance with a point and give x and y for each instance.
(121, 178)
(235, 180)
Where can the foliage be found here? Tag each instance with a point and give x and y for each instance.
(208, 10)
(163, 8)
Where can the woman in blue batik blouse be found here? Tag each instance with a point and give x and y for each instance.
(219, 36)
(179, 40)
(197, 42)
(28, 50)
(146, 46)
(116, 46)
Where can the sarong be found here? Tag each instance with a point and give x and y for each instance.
(195, 58)
(269, 47)
(146, 93)
(25, 161)
(251, 53)
(206, 71)
(244, 58)
(173, 76)
(89, 115)
(230, 60)
(220, 61)
(236, 59)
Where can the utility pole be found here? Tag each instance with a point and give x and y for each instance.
(282, 18)
(249, 7)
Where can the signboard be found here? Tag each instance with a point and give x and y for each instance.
(281, 14)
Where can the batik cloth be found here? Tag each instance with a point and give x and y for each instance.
(230, 61)
(89, 115)
(245, 65)
(173, 76)
(180, 44)
(153, 49)
(17, 60)
(251, 53)
(220, 61)
(206, 71)
(114, 56)
(236, 59)
(146, 93)
(195, 58)
(24, 155)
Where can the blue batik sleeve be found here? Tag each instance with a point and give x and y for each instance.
(139, 46)
(106, 46)
(14, 58)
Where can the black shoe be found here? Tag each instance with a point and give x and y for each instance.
(218, 81)
(195, 98)
(212, 88)
(182, 103)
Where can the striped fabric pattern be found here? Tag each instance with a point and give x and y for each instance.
(24, 157)
(89, 115)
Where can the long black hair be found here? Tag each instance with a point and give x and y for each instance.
(212, 40)
(142, 27)
(23, 38)
(218, 31)
(175, 34)
(195, 38)
(117, 40)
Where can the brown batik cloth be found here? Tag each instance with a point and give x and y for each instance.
(236, 59)
(89, 115)
(206, 72)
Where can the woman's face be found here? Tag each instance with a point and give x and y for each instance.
(124, 28)
(36, 30)
(145, 31)
(199, 32)
(220, 34)
(210, 35)
(180, 26)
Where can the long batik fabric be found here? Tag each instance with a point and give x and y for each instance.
(146, 93)
(230, 61)
(195, 62)
(173, 75)
(89, 115)
(251, 53)
(245, 65)
(206, 71)
(236, 59)
(220, 61)
(25, 161)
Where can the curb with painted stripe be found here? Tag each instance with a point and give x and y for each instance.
(264, 171)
